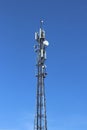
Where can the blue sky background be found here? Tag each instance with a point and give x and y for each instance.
(65, 22)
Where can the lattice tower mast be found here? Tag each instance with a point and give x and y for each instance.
(40, 122)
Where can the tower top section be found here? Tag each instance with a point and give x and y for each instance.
(40, 36)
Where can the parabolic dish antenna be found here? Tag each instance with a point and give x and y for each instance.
(46, 43)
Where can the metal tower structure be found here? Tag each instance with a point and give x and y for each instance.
(40, 122)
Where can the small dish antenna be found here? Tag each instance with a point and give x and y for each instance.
(46, 43)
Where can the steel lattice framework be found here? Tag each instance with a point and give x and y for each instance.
(40, 122)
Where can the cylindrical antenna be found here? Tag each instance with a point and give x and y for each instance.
(41, 24)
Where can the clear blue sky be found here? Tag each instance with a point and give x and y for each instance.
(66, 83)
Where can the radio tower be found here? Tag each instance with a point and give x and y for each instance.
(40, 122)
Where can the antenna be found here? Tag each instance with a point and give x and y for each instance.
(41, 24)
(41, 34)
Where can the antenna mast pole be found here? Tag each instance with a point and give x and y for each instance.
(40, 49)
